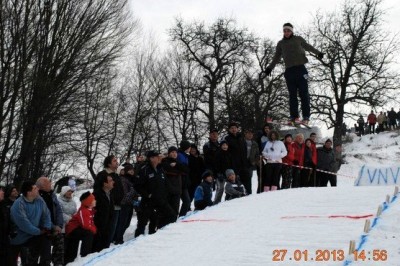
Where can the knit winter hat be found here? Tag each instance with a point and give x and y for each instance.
(288, 26)
(328, 140)
(87, 198)
(229, 172)
(65, 189)
(206, 174)
(172, 148)
(184, 145)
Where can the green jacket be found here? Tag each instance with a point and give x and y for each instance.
(293, 52)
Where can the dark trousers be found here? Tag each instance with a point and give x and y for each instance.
(122, 225)
(101, 240)
(30, 252)
(174, 200)
(371, 129)
(296, 177)
(305, 175)
(166, 215)
(286, 176)
(145, 214)
(72, 244)
(245, 178)
(296, 80)
(324, 178)
(185, 207)
(113, 225)
(56, 246)
(272, 175)
(260, 178)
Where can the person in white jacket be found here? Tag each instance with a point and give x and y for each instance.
(67, 203)
(273, 153)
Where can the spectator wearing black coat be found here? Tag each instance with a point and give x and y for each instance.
(210, 150)
(126, 212)
(392, 116)
(223, 162)
(104, 211)
(203, 193)
(4, 229)
(252, 156)
(361, 124)
(183, 157)
(237, 148)
(326, 162)
(10, 195)
(110, 165)
(262, 140)
(153, 189)
(174, 171)
(56, 243)
(197, 168)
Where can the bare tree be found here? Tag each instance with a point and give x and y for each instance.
(51, 48)
(267, 96)
(357, 68)
(181, 95)
(215, 49)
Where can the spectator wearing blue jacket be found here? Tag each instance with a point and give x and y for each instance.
(203, 193)
(32, 219)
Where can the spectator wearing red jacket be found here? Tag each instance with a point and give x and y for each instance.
(371, 119)
(287, 162)
(298, 148)
(81, 227)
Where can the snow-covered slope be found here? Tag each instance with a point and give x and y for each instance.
(308, 224)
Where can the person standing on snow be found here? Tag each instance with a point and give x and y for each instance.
(292, 49)
(371, 119)
(273, 152)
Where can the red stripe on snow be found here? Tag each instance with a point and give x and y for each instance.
(330, 216)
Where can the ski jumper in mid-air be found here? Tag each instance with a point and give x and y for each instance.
(292, 49)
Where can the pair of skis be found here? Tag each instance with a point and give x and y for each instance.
(297, 124)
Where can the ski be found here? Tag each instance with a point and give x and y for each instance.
(289, 124)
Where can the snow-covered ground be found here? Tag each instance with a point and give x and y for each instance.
(287, 227)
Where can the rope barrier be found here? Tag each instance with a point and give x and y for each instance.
(310, 168)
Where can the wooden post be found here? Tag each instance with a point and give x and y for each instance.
(387, 199)
(352, 246)
(379, 212)
(396, 190)
(367, 226)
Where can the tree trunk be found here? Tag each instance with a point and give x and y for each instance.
(211, 107)
(337, 135)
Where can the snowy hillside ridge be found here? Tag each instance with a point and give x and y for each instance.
(376, 149)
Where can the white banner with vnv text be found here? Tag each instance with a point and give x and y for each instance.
(378, 176)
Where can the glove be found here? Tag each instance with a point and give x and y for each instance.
(268, 71)
(320, 55)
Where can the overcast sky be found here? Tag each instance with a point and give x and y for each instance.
(263, 17)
